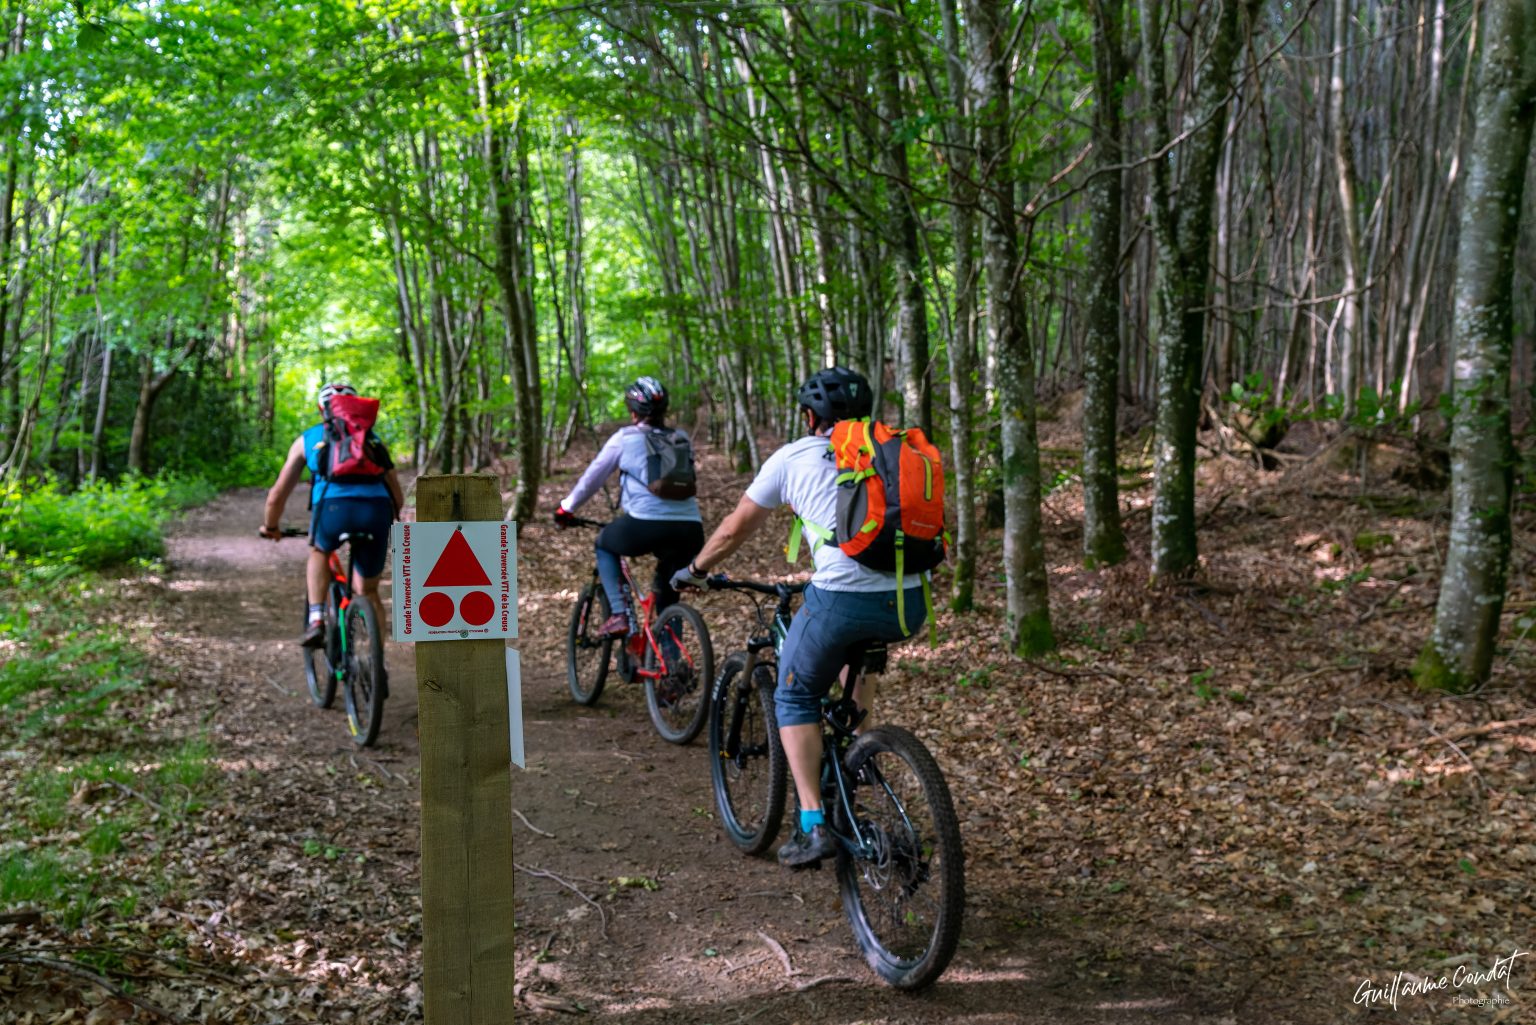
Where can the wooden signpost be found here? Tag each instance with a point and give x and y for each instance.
(466, 799)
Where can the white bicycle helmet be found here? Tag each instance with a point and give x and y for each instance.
(329, 392)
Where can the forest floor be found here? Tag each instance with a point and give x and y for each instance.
(1221, 803)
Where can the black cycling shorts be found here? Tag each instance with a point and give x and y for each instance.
(673, 542)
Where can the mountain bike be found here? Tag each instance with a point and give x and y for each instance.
(900, 862)
(670, 652)
(353, 654)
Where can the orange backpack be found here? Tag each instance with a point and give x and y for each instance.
(890, 502)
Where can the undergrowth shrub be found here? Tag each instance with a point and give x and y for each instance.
(97, 525)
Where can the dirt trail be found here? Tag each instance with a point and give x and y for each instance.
(315, 880)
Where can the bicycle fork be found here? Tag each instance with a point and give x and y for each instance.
(731, 750)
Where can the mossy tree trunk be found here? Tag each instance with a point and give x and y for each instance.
(1103, 538)
(1460, 649)
(1181, 221)
(1029, 613)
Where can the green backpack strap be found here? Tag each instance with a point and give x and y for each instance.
(819, 536)
(901, 595)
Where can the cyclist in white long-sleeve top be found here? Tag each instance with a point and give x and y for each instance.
(660, 515)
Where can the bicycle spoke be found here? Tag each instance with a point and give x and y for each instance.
(903, 889)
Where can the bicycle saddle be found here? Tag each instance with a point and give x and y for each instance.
(354, 535)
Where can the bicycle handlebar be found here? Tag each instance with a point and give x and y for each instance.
(287, 532)
(720, 582)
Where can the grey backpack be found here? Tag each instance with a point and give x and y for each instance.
(669, 471)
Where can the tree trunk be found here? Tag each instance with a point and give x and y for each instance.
(1103, 538)
(961, 346)
(1029, 613)
(911, 348)
(1460, 649)
(1182, 226)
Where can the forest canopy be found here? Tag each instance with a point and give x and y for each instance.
(1179, 221)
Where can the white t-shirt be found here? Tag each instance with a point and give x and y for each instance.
(625, 451)
(803, 476)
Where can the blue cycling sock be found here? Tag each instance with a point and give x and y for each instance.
(809, 820)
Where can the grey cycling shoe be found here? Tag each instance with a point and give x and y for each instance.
(805, 849)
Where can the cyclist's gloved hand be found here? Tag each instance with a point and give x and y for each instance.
(564, 519)
(687, 577)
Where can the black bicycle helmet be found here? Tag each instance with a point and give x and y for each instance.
(837, 393)
(646, 398)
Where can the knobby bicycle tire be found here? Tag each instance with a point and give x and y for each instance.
(746, 760)
(586, 655)
(364, 677)
(319, 673)
(679, 701)
(905, 903)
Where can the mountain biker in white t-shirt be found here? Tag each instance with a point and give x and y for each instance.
(846, 605)
(669, 528)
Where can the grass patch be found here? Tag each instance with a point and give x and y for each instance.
(93, 789)
(31, 877)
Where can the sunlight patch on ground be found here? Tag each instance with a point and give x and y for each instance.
(247, 764)
(1145, 1004)
(192, 585)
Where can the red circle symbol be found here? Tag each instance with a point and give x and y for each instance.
(437, 608)
(477, 608)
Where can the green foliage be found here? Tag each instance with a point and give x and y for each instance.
(96, 525)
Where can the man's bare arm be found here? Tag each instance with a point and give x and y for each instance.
(732, 533)
(286, 481)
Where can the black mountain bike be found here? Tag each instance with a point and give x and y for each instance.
(353, 654)
(900, 863)
(670, 652)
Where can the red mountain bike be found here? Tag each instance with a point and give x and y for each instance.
(670, 652)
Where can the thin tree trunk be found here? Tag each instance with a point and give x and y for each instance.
(1103, 537)
(1029, 613)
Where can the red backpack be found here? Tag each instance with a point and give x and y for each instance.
(348, 452)
(890, 502)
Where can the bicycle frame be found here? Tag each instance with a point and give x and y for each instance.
(343, 579)
(644, 639)
(841, 714)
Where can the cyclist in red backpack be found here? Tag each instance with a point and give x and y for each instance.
(846, 605)
(365, 498)
(657, 484)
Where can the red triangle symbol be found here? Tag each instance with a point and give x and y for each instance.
(457, 566)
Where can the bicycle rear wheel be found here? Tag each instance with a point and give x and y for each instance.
(905, 895)
(679, 699)
(587, 654)
(746, 761)
(364, 686)
(319, 673)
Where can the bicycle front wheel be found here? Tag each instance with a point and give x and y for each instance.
(319, 673)
(746, 761)
(586, 654)
(903, 884)
(683, 663)
(364, 686)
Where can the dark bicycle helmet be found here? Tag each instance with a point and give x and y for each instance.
(646, 398)
(329, 392)
(837, 393)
